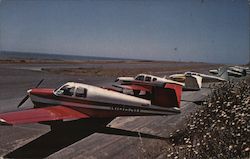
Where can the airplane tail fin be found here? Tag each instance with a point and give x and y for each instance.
(193, 82)
(167, 96)
(222, 72)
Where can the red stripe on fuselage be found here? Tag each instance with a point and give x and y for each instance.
(82, 103)
(112, 109)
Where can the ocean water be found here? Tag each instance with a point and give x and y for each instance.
(43, 56)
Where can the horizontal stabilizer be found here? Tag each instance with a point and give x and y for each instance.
(134, 87)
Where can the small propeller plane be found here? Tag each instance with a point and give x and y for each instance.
(193, 82)
(76, 101)
(236, 71)
(221, 77)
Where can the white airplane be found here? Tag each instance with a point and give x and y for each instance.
(236, 71)
(222, 76)
(244, 68)
(193, 82)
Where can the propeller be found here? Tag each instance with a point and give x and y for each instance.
(24, 100)
(38, 84)
(27, 96)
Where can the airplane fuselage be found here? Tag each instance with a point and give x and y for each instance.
(98, 102)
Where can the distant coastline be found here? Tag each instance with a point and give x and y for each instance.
(7, 55)
(38, 57)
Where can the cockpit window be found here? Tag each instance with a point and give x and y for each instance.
(66, 90)
(140, 78)
(81, 92)
(148, 79)
(191, 73)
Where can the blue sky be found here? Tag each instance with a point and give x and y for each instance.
(194, 30)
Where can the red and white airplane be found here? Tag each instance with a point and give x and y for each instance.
(77, 101)
(192, 82)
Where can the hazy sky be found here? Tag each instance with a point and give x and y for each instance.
(187, 30)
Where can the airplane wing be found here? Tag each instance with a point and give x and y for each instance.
(134, 87)
(40, 114)
(234, 73)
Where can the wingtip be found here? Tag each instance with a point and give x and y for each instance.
(178, 110)
(3, 122)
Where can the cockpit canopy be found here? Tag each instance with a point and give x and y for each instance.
(71, 90)
(192, 73)
(147, 78)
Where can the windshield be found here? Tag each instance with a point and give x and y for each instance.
(66, 90)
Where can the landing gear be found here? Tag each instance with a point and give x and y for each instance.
(136, 93)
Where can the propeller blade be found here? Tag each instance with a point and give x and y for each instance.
(39, 83)
(24, 100)
(27, 96)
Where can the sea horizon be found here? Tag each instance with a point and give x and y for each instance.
(7, 55)
(21, 55)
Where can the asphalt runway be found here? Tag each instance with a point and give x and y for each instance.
(124, 137)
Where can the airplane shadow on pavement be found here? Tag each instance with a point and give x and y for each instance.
(63, 136)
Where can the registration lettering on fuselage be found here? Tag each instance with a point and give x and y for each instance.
(125, 109)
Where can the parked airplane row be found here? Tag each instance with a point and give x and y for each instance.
(191, 81)
(77, 101)
(143, 95)
(236, 71)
